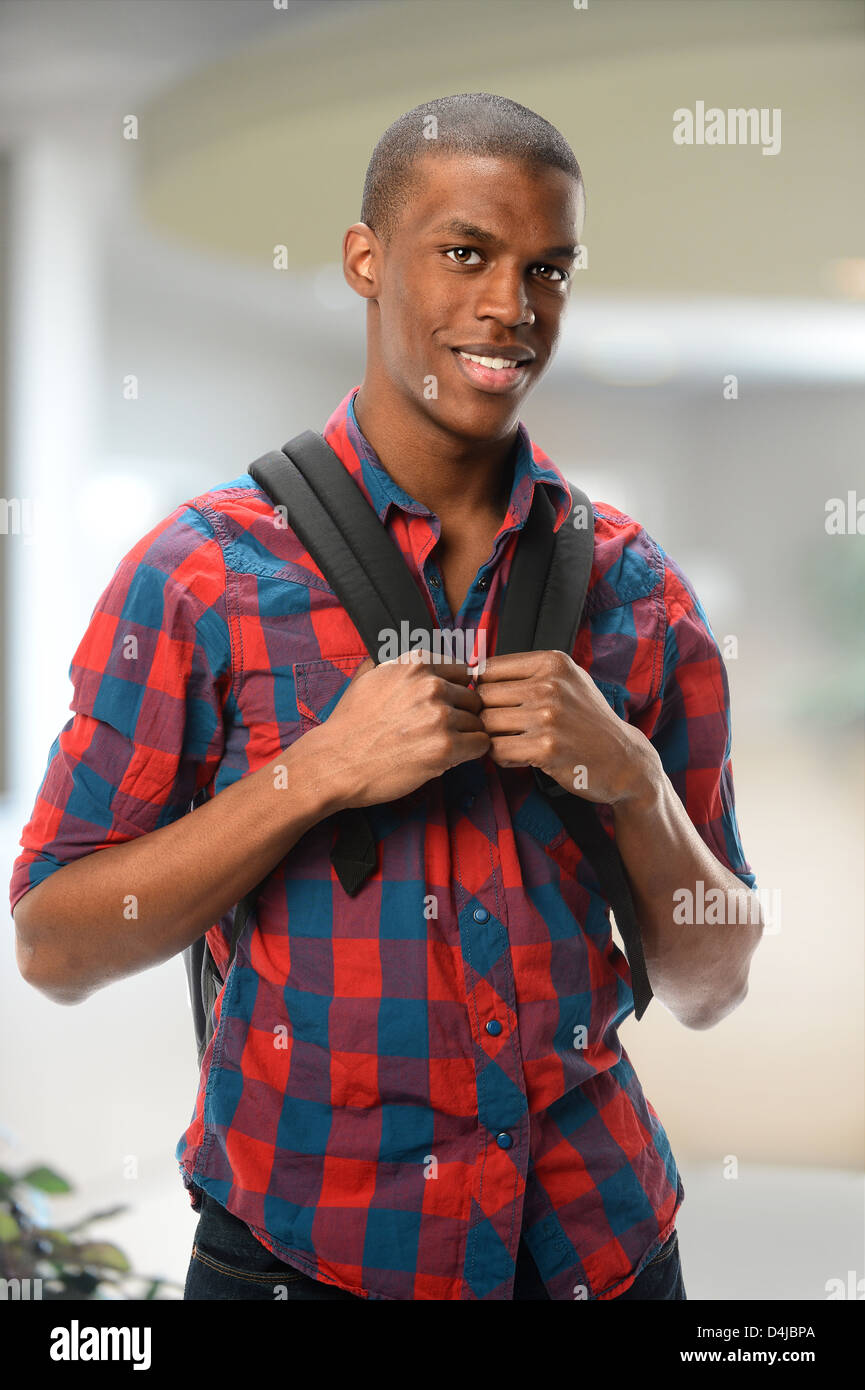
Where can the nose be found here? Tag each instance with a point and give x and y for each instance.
(503, 297)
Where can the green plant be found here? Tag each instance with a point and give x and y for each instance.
(68, 1263)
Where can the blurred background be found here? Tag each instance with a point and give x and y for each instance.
(152, 155)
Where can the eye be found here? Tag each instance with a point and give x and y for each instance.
(562, 274)
(468, 250)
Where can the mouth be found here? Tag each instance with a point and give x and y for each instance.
(492, 373)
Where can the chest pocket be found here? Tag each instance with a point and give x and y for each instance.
(319, 686)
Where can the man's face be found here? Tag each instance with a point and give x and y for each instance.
(480, 265)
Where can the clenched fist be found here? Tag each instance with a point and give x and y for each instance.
(401, 723)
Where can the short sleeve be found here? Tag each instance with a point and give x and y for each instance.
(150, 679)
(693, 731)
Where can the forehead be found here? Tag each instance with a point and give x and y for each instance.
(501, 195)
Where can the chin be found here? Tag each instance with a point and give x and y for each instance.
(476, 416)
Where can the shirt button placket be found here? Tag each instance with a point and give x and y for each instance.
(502, 1114)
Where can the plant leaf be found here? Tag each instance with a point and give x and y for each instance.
(45, 1180)
(99, 1255)
(9, 1228)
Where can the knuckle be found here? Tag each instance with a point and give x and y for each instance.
(441, 717)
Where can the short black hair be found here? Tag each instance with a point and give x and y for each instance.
(477, 123)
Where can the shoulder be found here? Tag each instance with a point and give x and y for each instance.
(252, 531)
(233, 505)
(628, 564)
(189, 544)
(176, 572)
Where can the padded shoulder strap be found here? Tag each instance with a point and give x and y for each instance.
(558, 620)
(366, 571)
(342, 533)
(570, 570)
(527, 579)
(549, 578)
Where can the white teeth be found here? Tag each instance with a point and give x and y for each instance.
(495, 362)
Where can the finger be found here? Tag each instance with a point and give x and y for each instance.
(462, 721)
(504, 721)
(449, 670)
(468, 746)
(454, 671)
(503, 693)
(462, 697)
(511, 751)
(511, 666)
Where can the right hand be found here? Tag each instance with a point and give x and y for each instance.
(401, 723)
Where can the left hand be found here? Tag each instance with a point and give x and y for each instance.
(542, 710)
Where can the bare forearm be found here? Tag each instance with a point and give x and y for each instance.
(698, 969)
(121, 910)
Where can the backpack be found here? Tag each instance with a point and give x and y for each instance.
(542, 609)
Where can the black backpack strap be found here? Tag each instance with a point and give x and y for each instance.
(366, 571)
(527, 581)
(561, 608)
(281, 478)
(558, 618)
(384, 571)
(193, 962)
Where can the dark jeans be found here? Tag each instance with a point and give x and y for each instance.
(229, 1263)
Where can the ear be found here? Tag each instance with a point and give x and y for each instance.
(361, 260)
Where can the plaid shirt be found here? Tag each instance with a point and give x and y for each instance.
(396, 1089)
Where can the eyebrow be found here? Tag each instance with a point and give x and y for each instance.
(457, 228)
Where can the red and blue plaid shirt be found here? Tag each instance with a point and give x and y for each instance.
(399, 1084)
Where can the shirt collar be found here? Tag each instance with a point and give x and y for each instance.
(532, 466)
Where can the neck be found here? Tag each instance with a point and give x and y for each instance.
(451, 475)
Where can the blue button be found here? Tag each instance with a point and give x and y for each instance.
(468, 801)
(494, 1027)
(480, 914)
(504, 1140)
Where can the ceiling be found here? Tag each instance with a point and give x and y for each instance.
(269, 145)
(256, 122)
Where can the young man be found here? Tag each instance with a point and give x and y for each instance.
(418, 1092)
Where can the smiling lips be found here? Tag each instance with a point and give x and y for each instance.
(495, 362)
(490, 373)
